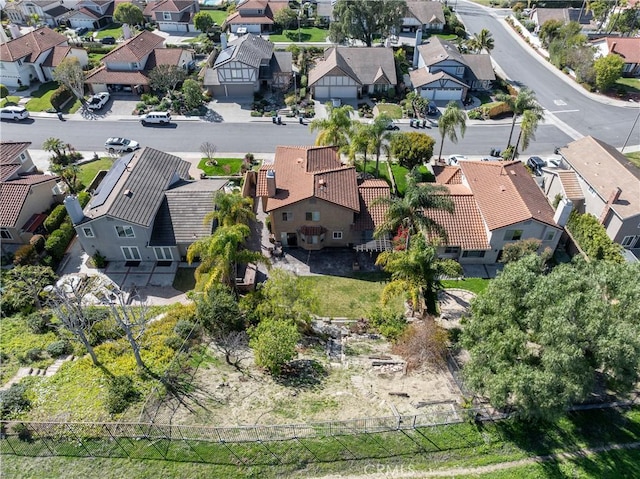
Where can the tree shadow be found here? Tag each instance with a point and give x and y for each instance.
(302, 374)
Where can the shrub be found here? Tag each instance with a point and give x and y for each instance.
(37, 241)
(25, 255)
(33, 355)
(59, 348)
(83, 198)
(174, 342)
(39, 322)
(303, 81)
(387, 322)
(303, 92)
(55, 218)
(24, 433)
(475, 114)
(121, 393)
(498, 109)
(99, 260)
(60, 97)
(4, 91)
(58, 241)
(186, 329)
(592, 238)
(14, 400)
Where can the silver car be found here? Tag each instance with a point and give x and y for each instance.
(120, 145)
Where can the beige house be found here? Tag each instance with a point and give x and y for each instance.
(496, 203)
(25, 194)
(314, 201)
(423, 15)
(593, 176)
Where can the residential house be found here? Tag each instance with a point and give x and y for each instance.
(246, 65)
(424, 15)
(324, 10)
(146, 209)
(628, 48)
(583, 16)
(25, 194)
(172, 15)
(350, 72)
(33, 56)
(496, 203)
(594, 178)
(49, 12)
(91, 14)
(443, 73)
(314, 201)
(254, 16)
(126, 67)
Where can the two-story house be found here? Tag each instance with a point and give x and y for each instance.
(314, 201)
(496, 203)
(443, 73)
(126, 67)
(424, 15)
(172, 15)
(627, 48)
(350, 72)
(583, 16)
(33, 56)
(593, 176)
(25, 194)
(254, 16)
(91, 14)
(146, 209)
(49, 12)
(247, 65)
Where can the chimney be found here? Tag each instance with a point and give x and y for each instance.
(126, 31)
(613, 197)
(14, 31)
(416, 55)
(562, 212)
(613, 47)
(74, 209)
(223, 40)
(271, 183)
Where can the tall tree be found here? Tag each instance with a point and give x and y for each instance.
(193, 97)
(285, 18)
(451, 120)
(408, 212)
(231, 208)
(336, 128)
(380, 136)
(365, 19)
(608, 69)
(538, 341)
(528, 127)
(203, 22)
(412, 148)
(360, 142)
(415, 272)
(68, 174)
(525, 100)
(165, 78)
(69, 73)
(22, 285)
(128, 13)
(482, 42)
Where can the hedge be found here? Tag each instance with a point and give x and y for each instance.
(4, 91)
(58, 241)
(497, 109)
(60, 97)
(55, 218)
(592, 238)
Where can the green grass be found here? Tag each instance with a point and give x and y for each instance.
(310, 34)
(96, 56)
(371, 168)
(9, 100)
(630, 84)
(390, 109)
(349, 297)
(634, 158)
(184, 279)
(225, 166)
(446, 36)
(114, 30)
(218, 16)
(475, 285)
(400, 176)
(41, 99)
(88, 171)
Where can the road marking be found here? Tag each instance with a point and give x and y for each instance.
(559, 102)
(563, 111)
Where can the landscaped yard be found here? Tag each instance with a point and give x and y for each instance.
(475, 285)
(9, 100)
(634, 158)
(629, 84)
(88, 171)
(220, 166)
(390, 109)
(114, 30)
(310, 34)
(218, 16)
(400, 176)
(450, 36)
(41, 99)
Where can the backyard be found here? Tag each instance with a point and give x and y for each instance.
(218, 16)
(305, 34)
(88, 171)
(113, 30)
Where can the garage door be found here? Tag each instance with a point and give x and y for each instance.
(449, 94)
(232, 91)
(336, 92)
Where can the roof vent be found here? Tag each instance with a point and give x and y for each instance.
(513, 172)
(128, 193)
(503, 188)
(321, 182)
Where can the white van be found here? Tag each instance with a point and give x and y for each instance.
(158, 117)
(16, 113)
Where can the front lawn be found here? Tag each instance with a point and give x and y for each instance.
(88, 171)
(41, 99)
(9, 100)
(634, 158)
(220, 166)
(446, 36)
(400, 176)
(114, 30)
(390, 109)
(632, 85)
(475, 285)
(218, 16)
(310, 34)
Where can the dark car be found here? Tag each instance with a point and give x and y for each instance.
(432, 109)
(392, 126)
(535, 163)
(81, 31)
(108, 41)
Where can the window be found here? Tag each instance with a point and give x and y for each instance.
(626, 241)
(88, 232)
(452, 250)
(337, 235)
(474, 253)
(125, 232)
(512, 235)
(314, 239)
(23, 157)
(163, 253)
(5, 234)
(287, 216)
(131, 253)
(166, 16)
(550, 236)
(312, 216)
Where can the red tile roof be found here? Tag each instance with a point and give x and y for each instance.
(10, 150)
(447, 175)
(134, 49)
(371, 216)
(31, 45)
(627, 47)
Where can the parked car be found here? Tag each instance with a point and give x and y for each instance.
(156, 117)
(81, 31)
(432, 109)
(453, 160)
(15, 113)
(120, 145)
(553, 163)
(392, 126)
(98, 100)
(535, 163)
(108, 41)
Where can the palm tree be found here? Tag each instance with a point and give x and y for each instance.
(231, 209)
(408, 212)
(54, 145)
(482, 41)
(452, 118)
(528, 127)
(416, 272)
(221, 253)
(525, 100)
(360, 142)
(68, 174)
(379, 135)
(336, 129)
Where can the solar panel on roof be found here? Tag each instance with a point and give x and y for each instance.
(109, 182)
(225, 55)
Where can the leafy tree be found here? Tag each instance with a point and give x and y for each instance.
(537, 342)
(285, 18)
(593, 239)
(274, 343)
(482, 41)
(519, 249)
(624, 22)
(231, 208)
(218, 311)
(165, 78)
(412, 148)
(407, 213)
(22, 285)
(193, 96)
(523, 101)
(128, 13)
(203, 22)
(549, 31)
(452, 119)
(364, 19)
(608, 69)
(415, 272)
(336, 128)
(69, 73)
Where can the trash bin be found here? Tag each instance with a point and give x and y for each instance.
(274, 119)
(301, 119)
(279, 120)
(59, 113)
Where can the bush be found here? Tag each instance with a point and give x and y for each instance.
(55, 218)
(475, 114)
(83, 198)
(498, 109)
(4, 91)
(120, 394)
(174, 342)
(303, 81)
(303, 92)
(58, 241)
(24, 433)
(60, 97)
(39, 322)
(25, 255)
(33, 355)
(59, 348)
(99, 260)
(14, 400)
(187, 329)
(592, 238)
(387, 322)
(37, 241)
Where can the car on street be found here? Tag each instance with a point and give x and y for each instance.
(108, 41)
(81, 31)
(15, 113)
(97, 101)
(156, 117)
(453, 160)
(120, 145)
(535, 164)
